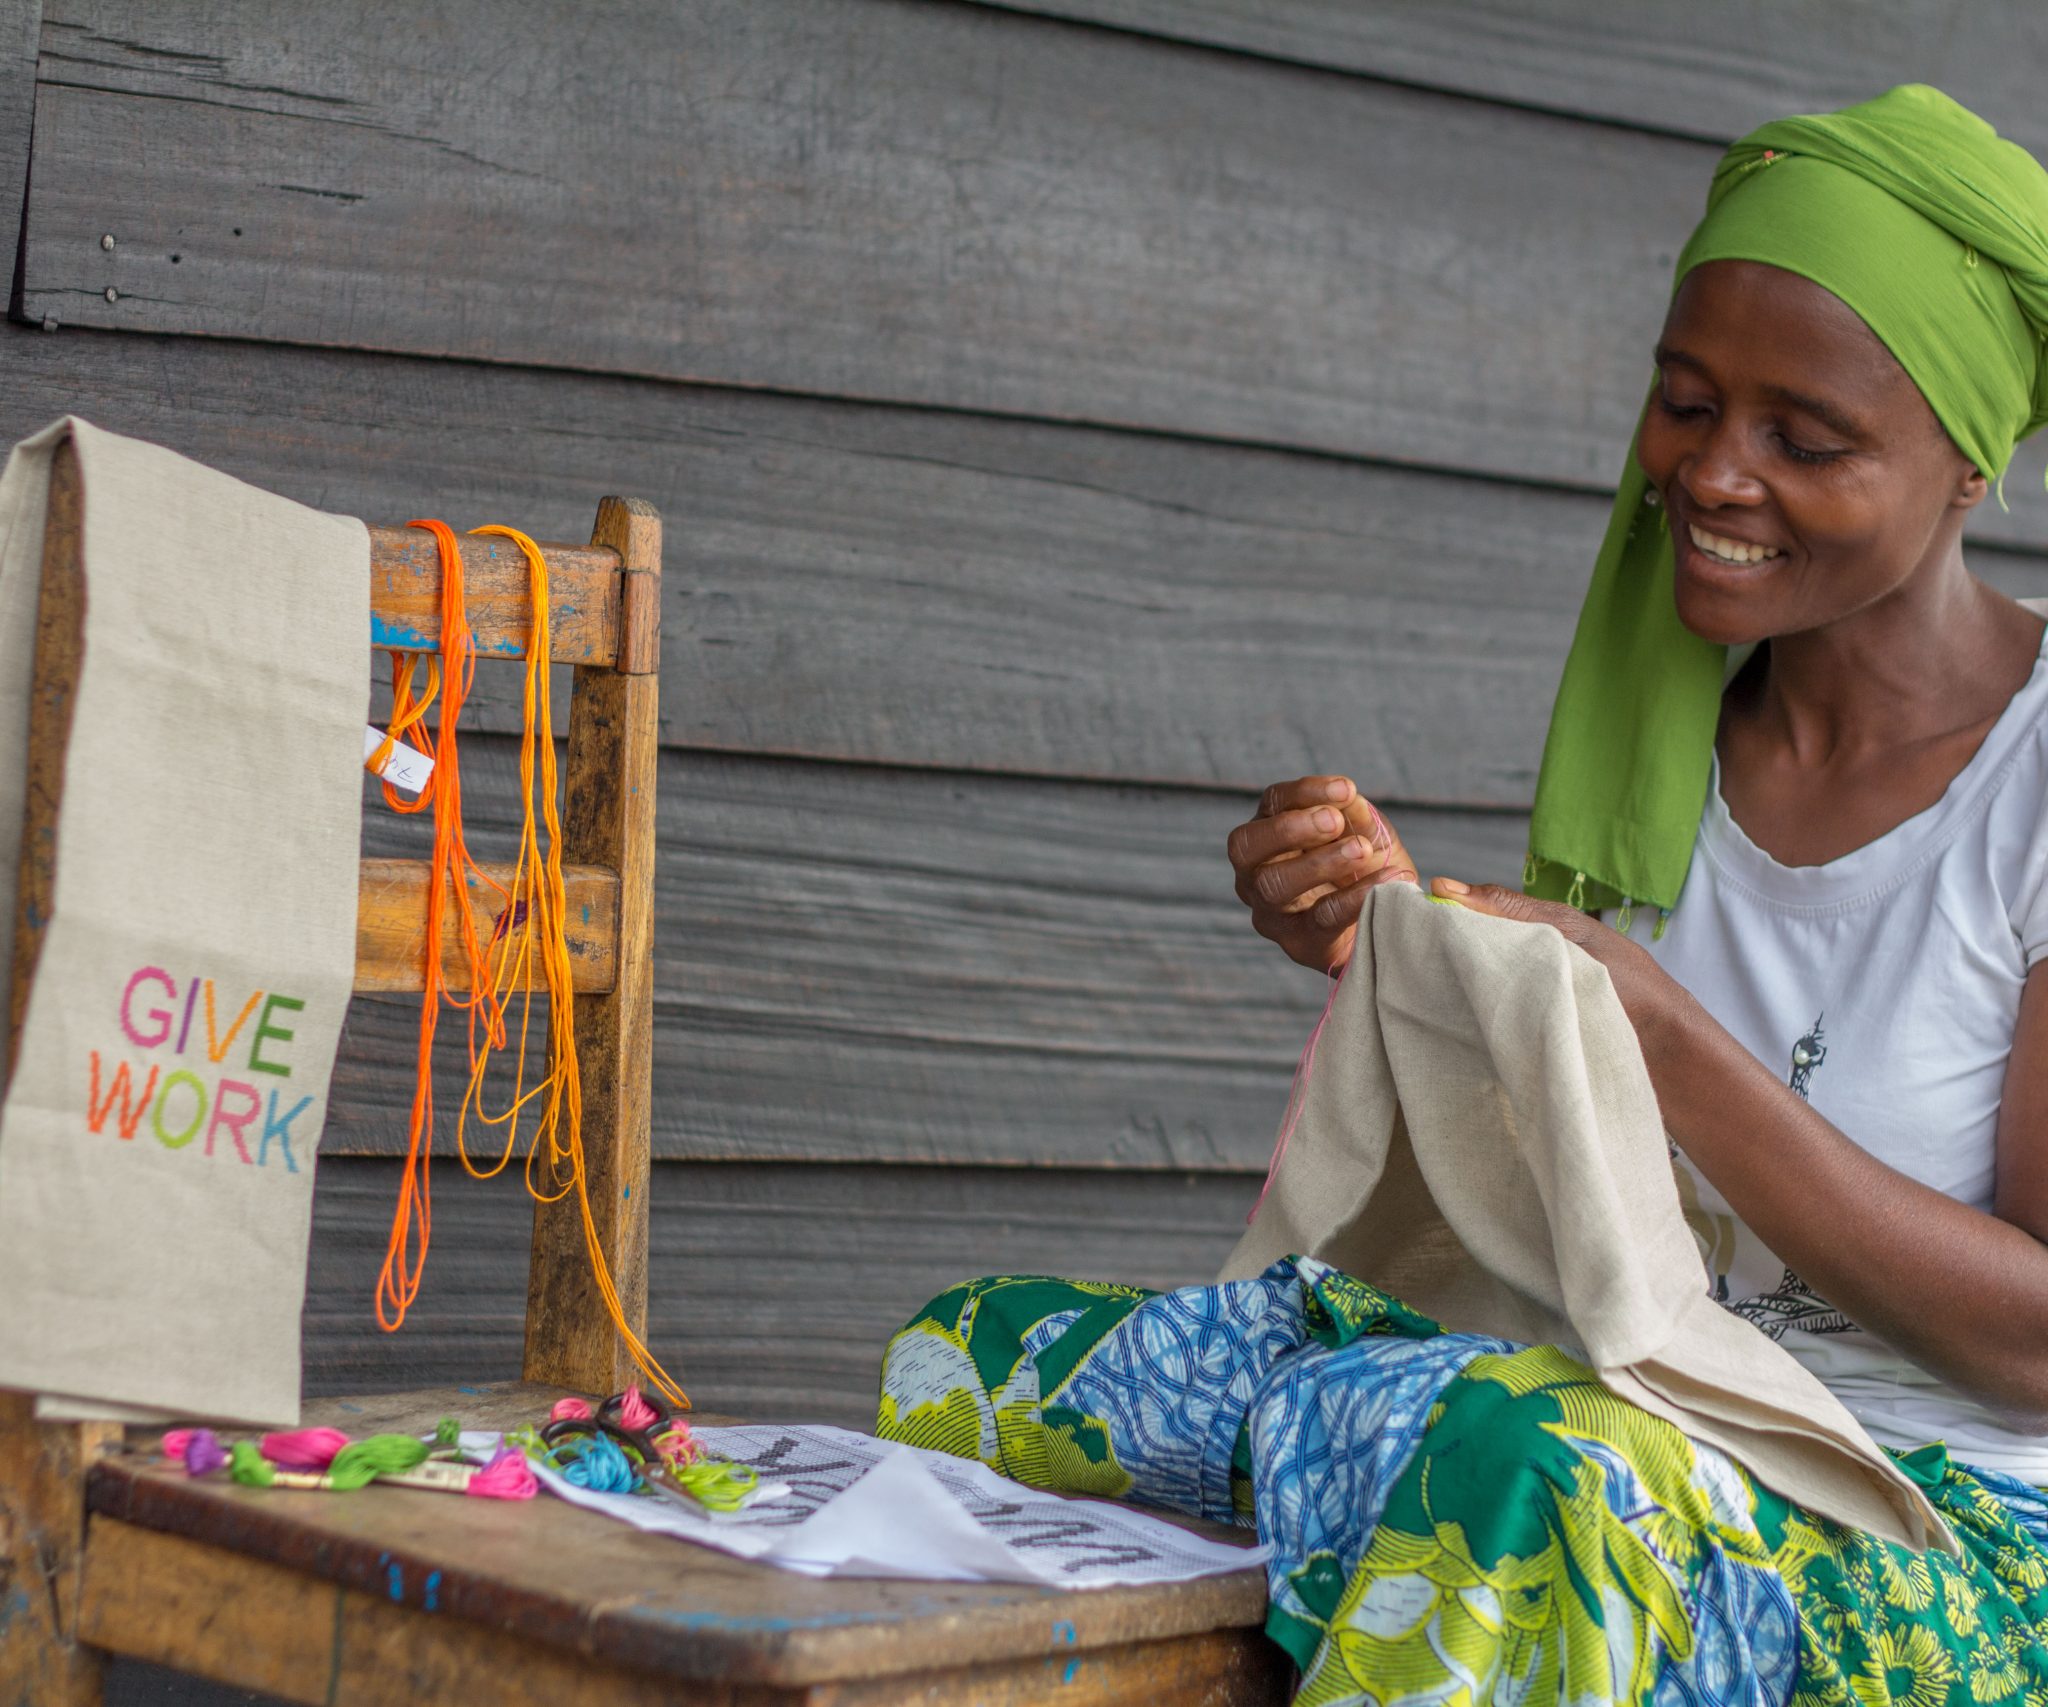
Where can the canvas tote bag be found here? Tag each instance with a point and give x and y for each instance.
(160, 1127)
(1479, 1137)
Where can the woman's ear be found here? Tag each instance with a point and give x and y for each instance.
(1970, 489)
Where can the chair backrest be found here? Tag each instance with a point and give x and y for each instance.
(605, 618)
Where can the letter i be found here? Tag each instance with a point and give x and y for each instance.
(191, 996)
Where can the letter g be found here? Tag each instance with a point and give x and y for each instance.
(161, 1016)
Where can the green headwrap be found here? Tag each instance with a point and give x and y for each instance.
(1912, 211)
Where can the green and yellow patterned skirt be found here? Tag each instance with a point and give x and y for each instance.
(1455, 1519)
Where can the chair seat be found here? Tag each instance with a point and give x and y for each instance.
(541, 1601)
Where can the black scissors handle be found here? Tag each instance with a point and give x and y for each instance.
(611, 1417)
(593, 1428)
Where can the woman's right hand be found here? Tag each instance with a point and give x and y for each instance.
(1305, 862)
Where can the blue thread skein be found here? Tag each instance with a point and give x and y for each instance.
(602, 1468)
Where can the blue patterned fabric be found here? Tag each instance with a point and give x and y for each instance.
(1456, 1519)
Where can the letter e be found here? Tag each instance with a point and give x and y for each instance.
(265, 1029)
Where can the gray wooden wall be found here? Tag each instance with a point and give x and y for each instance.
(1067, 417)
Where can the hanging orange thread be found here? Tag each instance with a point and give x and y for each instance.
(540, 927)
(532, 926)
(449, 874)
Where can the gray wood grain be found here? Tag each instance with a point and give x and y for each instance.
(858, 963)
(886, 199)
(913, 588)
(1706, 68)
(772, 1290)
(916, 588)
(951, 205)
(21, 26)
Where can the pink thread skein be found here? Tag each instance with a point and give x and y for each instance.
(635, 1412)
(304, 1448)
(507, 1476)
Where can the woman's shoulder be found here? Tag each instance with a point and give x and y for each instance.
(2009, 834)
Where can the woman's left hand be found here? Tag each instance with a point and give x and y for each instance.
(1654, 1001)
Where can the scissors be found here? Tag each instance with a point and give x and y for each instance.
(640, 1443)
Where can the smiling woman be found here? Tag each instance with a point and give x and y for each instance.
(1799, 758)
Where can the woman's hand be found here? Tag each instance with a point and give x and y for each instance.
(1305, 860)
(1656, 1003)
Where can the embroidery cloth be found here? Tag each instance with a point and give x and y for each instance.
(1479, 1137)
(157, 1141)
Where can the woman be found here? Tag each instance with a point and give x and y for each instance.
(1829, 892)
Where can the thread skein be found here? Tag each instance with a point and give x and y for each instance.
(198, 1449)
(304, 1448)
(635, 1412)
(539, 910)
(530, 936)
(359, 1465)
(507, 1476)
(452, 873)
(602, 1467)
(715, 1484)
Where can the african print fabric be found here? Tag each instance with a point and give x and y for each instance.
(1460, 1520)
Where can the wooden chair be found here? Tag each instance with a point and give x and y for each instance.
(390, 1595)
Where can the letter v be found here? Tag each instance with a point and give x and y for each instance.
(217, 1047)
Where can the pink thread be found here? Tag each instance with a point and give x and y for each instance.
(175, 1442)
(304, 1448)
(1297, 1092)
(676, 1445)
(635, 1412)
(570, 1410)
(506, 1477)
(203, 1453)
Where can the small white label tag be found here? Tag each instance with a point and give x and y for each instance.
(436, 1474)
(407, 768)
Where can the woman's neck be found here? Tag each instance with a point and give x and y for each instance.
(1833, 737)
(1915, 667)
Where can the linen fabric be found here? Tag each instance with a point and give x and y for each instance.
(1916, 214)
(1455, 1518)
(1479, 1138)
(1885, 986)
(158, 1136)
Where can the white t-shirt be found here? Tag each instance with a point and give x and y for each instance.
(1885, 987)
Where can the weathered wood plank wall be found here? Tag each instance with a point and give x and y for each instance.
(1672, 66)
(1068, 414)
(21, 28)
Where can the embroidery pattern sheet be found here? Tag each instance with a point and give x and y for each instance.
(856, 1506)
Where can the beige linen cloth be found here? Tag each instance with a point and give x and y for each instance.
(157, 1156)
(1478, 1137)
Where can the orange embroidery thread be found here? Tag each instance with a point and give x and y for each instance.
(449, 875)
(532, 925)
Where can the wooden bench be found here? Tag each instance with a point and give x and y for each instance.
(393, 1595)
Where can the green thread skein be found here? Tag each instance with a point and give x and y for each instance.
(361, 1464)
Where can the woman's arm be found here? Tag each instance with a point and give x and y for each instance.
(1962, 1293)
